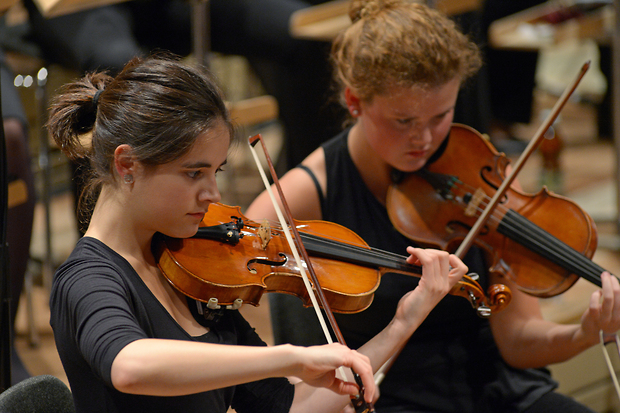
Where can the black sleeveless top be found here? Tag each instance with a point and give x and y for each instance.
(451, 363)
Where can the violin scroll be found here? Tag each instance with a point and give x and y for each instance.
(498, 296)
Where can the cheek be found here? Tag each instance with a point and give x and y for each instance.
(382, 135)
(386, 144)
(162, 200)
(441, 131)
(446, 123)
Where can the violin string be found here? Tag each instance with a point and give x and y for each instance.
(566, 254)
(496, 216)
(554, 246)
(548, 246)
(385, 258)
(381, 257)
(540, 240)
(532, 237)
(312, 294)
(317, 293)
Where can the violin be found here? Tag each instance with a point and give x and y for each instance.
(233, 260)
(543, 242)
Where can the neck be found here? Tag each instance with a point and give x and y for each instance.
(374, 171)
(112, 224)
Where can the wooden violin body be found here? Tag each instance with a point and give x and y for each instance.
(205, 268)
(543, 242)
(233, 261)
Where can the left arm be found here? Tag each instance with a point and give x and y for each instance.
(526, 340)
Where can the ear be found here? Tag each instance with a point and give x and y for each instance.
(124, 161)
(353, 102)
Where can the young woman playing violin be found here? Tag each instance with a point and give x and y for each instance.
(400, 66)
(128, 340)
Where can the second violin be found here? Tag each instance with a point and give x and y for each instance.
(543, 242)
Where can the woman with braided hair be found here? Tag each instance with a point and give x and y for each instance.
(399, 68)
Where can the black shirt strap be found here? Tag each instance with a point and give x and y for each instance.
(316, 183)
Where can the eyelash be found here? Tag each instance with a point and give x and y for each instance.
(436, 119)
(196, 174)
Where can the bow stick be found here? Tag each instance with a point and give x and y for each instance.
(530, 148)
(606, 339)
(360, 405)
(469, 239)
(482, 219)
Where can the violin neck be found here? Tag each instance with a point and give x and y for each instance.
(368, 257)
(521, 230)
(322, 247)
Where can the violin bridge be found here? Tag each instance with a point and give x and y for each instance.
(264, 232)
(474, 203)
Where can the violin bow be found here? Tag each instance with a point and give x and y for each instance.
(530, 148)
(606, 339)
(360, 405)
(469, 239)
(482, 219)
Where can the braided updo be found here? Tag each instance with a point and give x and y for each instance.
(399, 43)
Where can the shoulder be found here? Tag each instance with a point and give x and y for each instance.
(91, 252)
(317, 161)
(299, 189)
(304, 187)
(91, 265)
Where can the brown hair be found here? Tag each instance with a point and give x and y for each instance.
(400, 43)
(157, 105)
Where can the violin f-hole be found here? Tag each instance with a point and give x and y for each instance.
(271, 263)
(483, 175)
(452, 225)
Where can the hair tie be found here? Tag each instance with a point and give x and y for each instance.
(96, 98)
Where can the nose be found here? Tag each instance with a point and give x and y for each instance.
(210, 193)
(421, 135)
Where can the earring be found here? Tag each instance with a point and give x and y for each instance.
(128, 179)
(355, 112)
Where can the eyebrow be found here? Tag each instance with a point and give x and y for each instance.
(197, 165)
(446, 111)
(439, 115)
(407, 117)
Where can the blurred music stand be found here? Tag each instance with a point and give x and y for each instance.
(324, 21)
(553, 22)
(598, 20)
(54, 8)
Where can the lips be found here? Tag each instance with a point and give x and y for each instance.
(198, 215)
(418, 153)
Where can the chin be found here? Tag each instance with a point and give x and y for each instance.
(182, 233)
(412, 166)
